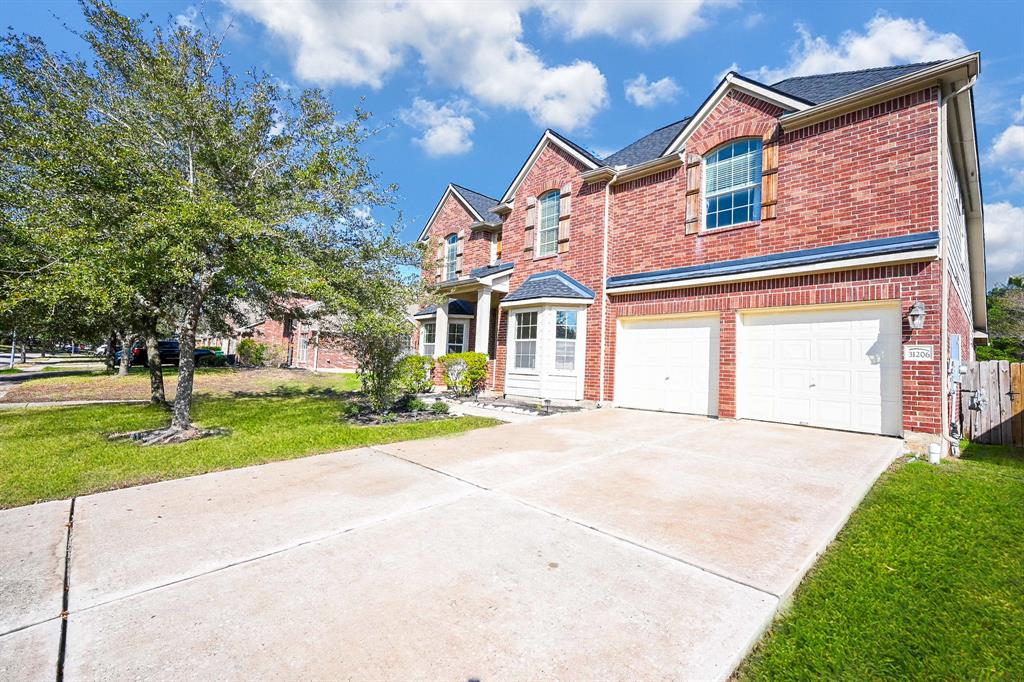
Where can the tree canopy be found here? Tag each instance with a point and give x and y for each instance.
(146, 182)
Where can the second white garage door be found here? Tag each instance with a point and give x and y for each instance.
(834, 367)
(668, 364)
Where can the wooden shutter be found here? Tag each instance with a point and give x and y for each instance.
(459, 245)
(439, 267)
(564, 209)
(692, 195)
(531, 223)
(769, 176)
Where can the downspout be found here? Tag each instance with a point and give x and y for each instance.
(946, 385)
(604, 280)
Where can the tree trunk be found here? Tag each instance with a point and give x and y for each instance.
(156, 374)
(126, 354)
(181, 413)
(24, 353)
(108, 356)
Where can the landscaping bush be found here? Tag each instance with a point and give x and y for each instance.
(416, 405)
(251, 352)
(439, 407)
(465, 373)
(415, 374)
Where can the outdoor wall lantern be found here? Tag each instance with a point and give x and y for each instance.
(915, 316)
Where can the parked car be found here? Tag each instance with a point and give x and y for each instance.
(170, 354)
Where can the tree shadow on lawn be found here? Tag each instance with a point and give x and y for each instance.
(999, 455)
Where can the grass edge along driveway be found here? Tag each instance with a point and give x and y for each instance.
(926, 581)
(57, 453)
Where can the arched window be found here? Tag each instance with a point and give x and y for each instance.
(547, 223)
(732, 184)
(451, 254)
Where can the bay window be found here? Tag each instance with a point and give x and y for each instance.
(526, 341)
(565, 339)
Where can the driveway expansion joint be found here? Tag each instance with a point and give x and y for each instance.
(65, 597)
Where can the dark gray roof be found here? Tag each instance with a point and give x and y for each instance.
(550, 284)
(489, 270)
(871, 247)
(648, 147)
(593, 159)
(455, 307)
(829, 86)
(481, 203)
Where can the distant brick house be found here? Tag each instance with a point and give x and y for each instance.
(302, 341)
(809, 252)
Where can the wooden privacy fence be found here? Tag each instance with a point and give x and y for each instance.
(992, 402)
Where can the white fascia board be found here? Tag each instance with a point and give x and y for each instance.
(451, 316)
(549, 301)
(732, 82)
(971, 64)
(450, 190)
(845, 264)
(546, 139)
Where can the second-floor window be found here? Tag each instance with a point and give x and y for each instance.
(547, 223)
(732, 184)
(451, 254)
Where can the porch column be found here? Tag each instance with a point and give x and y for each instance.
(483, 321)
(441, 329)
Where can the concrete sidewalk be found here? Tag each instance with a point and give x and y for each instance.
(604, 544)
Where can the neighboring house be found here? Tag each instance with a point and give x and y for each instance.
(768, 257)
(303, 341)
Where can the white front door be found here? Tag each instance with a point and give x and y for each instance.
(836, 367)
(668, 364)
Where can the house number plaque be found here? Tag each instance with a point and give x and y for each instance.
(920, 352)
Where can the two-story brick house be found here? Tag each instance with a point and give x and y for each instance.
(809, 252)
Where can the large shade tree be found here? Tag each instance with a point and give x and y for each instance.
(181, 188)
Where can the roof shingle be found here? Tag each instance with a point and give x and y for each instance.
(481, 203)
(550, 284)
(829, 86)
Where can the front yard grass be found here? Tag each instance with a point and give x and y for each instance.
(98, 384)
(55, 453)
(925, 582)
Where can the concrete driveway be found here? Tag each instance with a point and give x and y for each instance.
(606, 544)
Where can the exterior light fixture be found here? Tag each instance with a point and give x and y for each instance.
(915, 316)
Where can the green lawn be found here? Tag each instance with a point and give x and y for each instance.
(925, 582)
(9, 370)
(56, 453)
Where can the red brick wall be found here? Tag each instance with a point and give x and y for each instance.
(867, 175)
(452, 219)
(554, 169)
(904, 283)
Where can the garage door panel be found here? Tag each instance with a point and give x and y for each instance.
(668, 364)
(838, 368)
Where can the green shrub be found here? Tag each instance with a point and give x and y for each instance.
(251, 352)
(464, 373)
(439, 407)
(415, 405)
(416, 374)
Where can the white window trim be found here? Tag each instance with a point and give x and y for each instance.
(451, 257)
(546, 347)
(423, 336)
(540, 219)
(704, 189)
(576, 343)
(514, 328)
(464, 323)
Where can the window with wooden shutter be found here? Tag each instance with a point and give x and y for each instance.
(451, 256)
(549, 215)
(460, 245)
(531, 223)
(732, 184)
(564, 210)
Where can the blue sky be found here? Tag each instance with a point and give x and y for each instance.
(462, 91)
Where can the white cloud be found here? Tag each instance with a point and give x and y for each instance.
(1009, 146)
(753, 20)
(886, 40)
(476, 49)
(650, 94)
(643, 22)
(1004, 241)
(446, 127)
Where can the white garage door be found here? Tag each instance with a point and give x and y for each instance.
(832, 367)
(668, 364)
